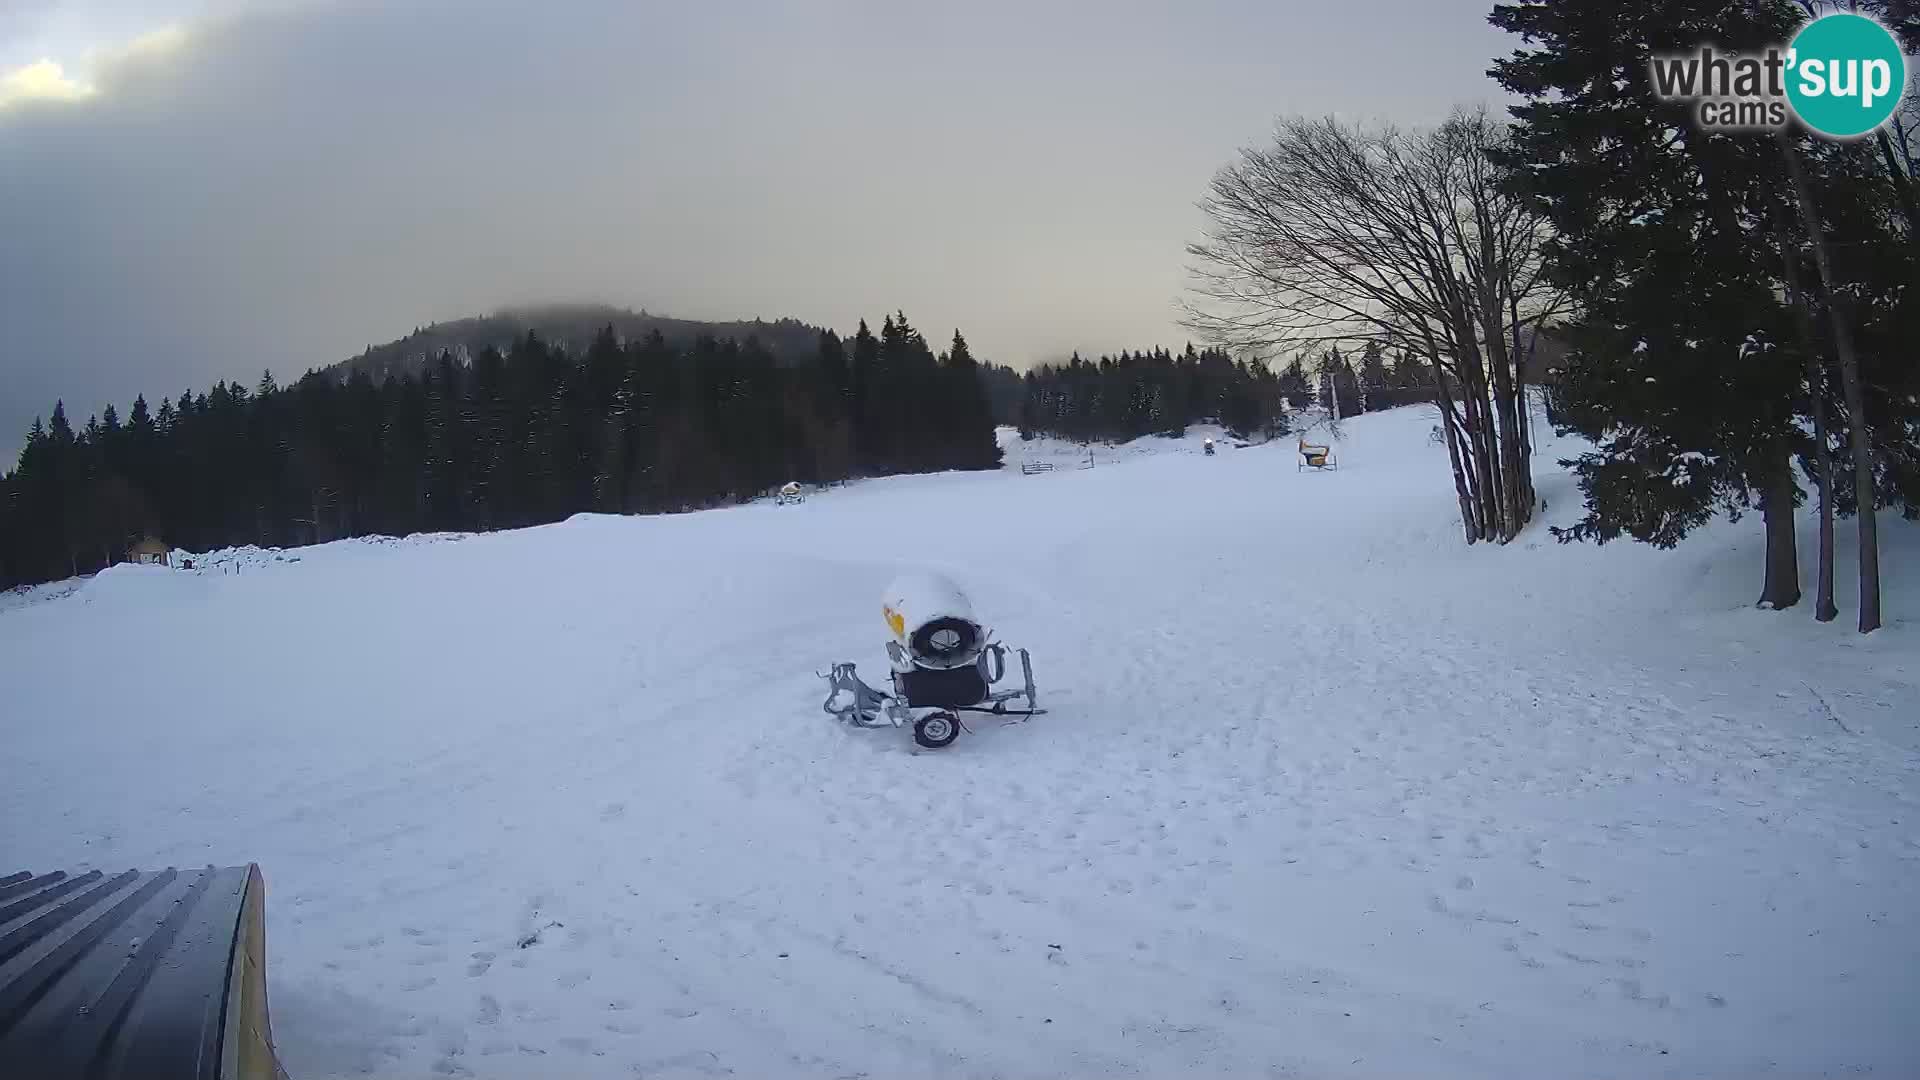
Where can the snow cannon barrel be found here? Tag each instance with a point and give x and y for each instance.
(160, 975)
(933, 622)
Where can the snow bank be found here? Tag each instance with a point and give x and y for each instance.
(1065, 453)
(236, 560)
(138, 586)
(1322, 791)
(25, 595)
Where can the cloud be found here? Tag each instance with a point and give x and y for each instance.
(47, 80)
(43, 80)
(166, 39)
(278, 185)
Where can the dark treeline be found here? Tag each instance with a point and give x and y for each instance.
(1159, 393)
(1150, 393)
(1005, 393)
(518, 438)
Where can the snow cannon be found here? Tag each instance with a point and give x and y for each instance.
(944, 662)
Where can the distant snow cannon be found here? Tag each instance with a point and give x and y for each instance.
(943, 659)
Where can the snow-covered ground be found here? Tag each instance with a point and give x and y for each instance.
(1322, 793)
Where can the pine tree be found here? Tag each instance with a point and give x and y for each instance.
(1294, 385)
(870, 433)
(1339, 384)
(1677, 365)
(971, 438)
(1373, 379)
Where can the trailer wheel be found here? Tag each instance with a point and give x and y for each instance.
(936, 730)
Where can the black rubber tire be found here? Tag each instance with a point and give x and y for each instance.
(936, 730)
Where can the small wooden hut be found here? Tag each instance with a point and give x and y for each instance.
(150, 551)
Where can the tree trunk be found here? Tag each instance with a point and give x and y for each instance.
(1487, 477)
(1462, 482)
(1520, 360)
(1823, 606)
(1483, 431)
(1514, 504)
(1520, 389)
(1902, 186)
(1782, 588)
(1858, 435)
(1469, 520)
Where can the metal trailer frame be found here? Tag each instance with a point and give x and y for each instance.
(938, 724)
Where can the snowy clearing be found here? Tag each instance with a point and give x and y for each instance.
(1322, 792)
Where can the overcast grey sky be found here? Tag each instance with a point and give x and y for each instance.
(195, 189)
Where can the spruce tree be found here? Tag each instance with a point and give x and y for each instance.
(1373, 379)
(1294, 385)
(1677, 365)
(971, 437)
(870, 434)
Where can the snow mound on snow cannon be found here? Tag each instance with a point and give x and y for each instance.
(933, 622)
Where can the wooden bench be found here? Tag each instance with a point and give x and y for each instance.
(1028, 468)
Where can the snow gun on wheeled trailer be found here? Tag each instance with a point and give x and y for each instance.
(944, 663)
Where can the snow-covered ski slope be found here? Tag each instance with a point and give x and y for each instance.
(1322, 793)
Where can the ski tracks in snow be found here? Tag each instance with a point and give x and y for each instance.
(1320, 793)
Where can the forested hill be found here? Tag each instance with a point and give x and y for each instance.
(571, 326)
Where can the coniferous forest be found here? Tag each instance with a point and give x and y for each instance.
(1156, 392)
(529, 435)
(1150, 393)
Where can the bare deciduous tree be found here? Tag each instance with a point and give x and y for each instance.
(1338, 234)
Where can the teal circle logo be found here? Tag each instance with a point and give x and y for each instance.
(1845, 75)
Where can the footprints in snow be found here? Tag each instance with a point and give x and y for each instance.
(1543, 947)
(557, 1014)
